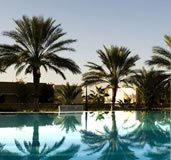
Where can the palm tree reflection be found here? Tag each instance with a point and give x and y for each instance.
(149, 131)
(161, 153)
(69, 123)
(109, 142)
(7, 155)
(33, 150)
(152, 131)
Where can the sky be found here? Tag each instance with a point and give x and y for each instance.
(136, 24)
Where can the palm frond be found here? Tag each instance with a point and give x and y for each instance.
(167, 39)
(20, 69)
(116, 65)
(36, 43)
(68, 93)
(161, 57)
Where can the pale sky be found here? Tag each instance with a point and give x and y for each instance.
(136, 24)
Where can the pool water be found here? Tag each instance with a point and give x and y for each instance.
(86, 136)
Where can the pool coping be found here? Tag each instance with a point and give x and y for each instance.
(57, 112)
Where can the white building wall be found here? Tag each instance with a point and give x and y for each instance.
(122, 93)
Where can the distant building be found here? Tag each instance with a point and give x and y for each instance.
(123, 94)
(19, 92)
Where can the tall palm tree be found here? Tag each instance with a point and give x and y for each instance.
(162, 57)
(68, 93)
(109, 142)
(150, 86)
(116, 65)
(36, 44)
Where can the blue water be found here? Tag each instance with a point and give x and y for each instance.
(86, 136)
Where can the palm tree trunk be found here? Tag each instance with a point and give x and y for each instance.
(36, 81)
(86, 100)
(98, 102)
(114, 90)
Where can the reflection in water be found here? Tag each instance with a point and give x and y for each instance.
(68, 122)
(7, 155)
(85, 136)
(149, 132)
(161, 153)
(31, 150)
(109, 143)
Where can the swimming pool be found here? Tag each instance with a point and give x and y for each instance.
(85, 135)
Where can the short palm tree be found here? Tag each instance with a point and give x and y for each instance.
(97, 96)
(116, 65)
(68, 93)
(36, 44)
(150, 86)
(162, 57)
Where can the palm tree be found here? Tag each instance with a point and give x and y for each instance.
(68, 93)
(37, 42)
(162, 57)
(116, 65)
(110, 143)
(97, 96)
(150, 86)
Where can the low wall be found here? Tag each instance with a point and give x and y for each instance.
(14, 107)
(70, 108)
